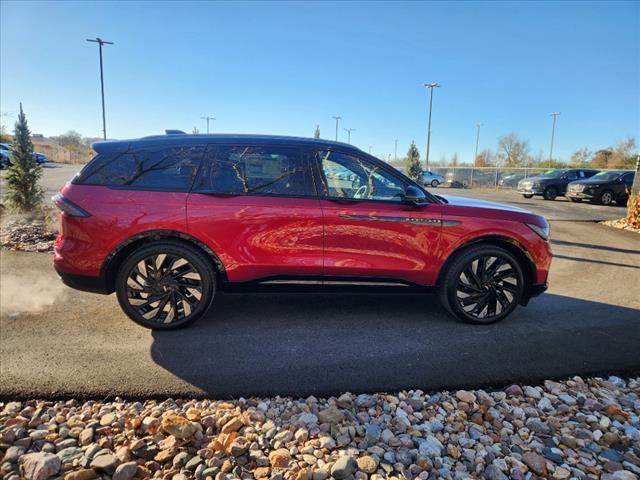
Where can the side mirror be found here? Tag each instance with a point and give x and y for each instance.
(414, 196)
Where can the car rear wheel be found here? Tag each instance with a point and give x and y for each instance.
(575, 200)
(527, 195)
(435, 183)
(482, 285)
(165, 285)
(550, 193)
(606, 197)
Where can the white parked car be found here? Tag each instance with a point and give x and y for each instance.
(432, 179)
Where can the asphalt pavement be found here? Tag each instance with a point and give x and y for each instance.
(58, 342)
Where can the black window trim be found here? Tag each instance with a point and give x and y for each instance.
(80, 180)
(321, 187)
(303, 155)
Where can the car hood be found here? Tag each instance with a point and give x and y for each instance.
(540, 179)
(593, 181)
(472, 202)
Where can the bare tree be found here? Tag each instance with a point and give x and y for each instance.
(581, 157)
(512, 151)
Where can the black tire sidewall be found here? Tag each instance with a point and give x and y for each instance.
(527, 196)
(550, 193)
(199, 262)
(449, 283)
(434, 183)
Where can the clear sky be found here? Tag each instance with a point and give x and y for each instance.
(282, 68)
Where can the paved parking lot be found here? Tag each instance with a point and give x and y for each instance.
(57, 341)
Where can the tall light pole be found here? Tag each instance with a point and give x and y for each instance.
(395, 151)
(475, 157)
(349, 130)
(337, 119)
(553, 133)
(430, 86)
(101, 42)
(207, 119)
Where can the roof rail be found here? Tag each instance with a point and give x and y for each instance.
(174, 132)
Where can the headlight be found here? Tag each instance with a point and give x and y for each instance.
(543, 232)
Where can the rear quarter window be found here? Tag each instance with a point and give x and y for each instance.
(161, 168)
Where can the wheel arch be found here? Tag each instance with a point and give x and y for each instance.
(510, 244)
(114, 259)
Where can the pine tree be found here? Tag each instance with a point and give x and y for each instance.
(24, 194)
(316, 134)
(412, 166)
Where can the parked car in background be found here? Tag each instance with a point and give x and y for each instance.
(166, 221)
(432, 179)
(5, 154)
(603, 187)
(510, 179)
(553, 182)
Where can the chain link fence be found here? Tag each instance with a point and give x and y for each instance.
(485, 177)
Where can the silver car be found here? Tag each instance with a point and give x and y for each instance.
(432, 179)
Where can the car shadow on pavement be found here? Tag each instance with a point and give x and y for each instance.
(607, 248)
(599, 262)
(300, 344)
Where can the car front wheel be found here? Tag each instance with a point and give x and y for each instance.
(550, 193)
(575, 200)
(606, 197)
(435, 183)
(165, 285)
(482, 285)
(527, 195)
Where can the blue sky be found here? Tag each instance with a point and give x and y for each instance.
(284, 67)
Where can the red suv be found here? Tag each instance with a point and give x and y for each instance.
(166, 221)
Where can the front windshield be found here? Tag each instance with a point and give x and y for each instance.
(553, 173)
(606, 176)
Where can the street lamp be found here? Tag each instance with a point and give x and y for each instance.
(430, 86)
(337, 119)
(349, 130)
(207, 119)
(553, 132)
(101, 42)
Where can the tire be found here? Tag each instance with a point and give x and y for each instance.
(550, 193)
(575, 200)
(606, 198)
(455, 288)
(435, 183)
(184, 306)
(527, 195)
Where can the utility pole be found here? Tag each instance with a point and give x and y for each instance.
(553, 132)
(207, 119)
(349, 130)
(475, 157)
(395, 152)
(101, 42)
(430, 86)
(337, 119)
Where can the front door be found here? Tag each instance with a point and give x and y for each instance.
(257, 208)
(369, 231)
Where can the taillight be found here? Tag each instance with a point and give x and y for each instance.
(68, 207)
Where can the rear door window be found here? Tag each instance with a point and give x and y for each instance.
(165, 168)
(572, 175)
(256, 170)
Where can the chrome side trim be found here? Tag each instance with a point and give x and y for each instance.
(427, 222)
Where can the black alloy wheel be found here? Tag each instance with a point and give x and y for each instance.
(483, 285)
(550, 193)
(165, 286)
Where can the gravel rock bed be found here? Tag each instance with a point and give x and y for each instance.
(573, 429)
(26, 235)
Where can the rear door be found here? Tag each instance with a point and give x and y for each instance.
(369, 232)
(256, 206)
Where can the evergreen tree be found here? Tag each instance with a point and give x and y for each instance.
(316, 134)
(412, 166)
(24, 193)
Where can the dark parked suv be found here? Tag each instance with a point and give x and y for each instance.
(167, 221)
(553, 182)
(603, 187)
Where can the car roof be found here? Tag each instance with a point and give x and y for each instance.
(199, 139)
